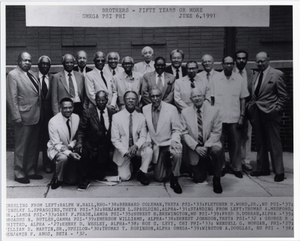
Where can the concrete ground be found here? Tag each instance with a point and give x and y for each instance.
(232, 187)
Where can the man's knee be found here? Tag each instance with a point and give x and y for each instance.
(61, 158)
(215, 150)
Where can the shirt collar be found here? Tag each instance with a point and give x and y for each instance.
(156, 109)
(266, 70)
(127, 113)
(66, 72)
(201, 109)
(174, 69)
(104, 111)
(41, 75)
(65, 119)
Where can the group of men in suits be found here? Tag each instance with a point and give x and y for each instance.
(143, 113)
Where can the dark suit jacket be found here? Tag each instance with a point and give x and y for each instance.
(168, 69)
(149, 80)
(272, 95)
(59, 89)
(87, 69)
(23, 99)
(90, 133)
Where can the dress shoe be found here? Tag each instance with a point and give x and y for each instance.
(175, 185)
(35, 177)
(56, 184)
(142, 178)
(23, 180)
(279, 177)
(217, 185)
(246, 166)
(238, 174)
(258, 173)
(84, 185)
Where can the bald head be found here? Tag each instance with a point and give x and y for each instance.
(207, 62)
(81, 58)
(24, 61)
(262, 61)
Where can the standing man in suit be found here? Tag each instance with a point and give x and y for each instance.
(99, 79)
(147, 65)
(44, 64)
(112, 68)
(126, 80)
(229, 93)
(164, 81)
(128, 135)
(68, 83)
(93, 139)
(176, 68)
(269, 95)
(165, 129)
(241, 59)
(24, 103)
(184, 86)
(81, 59)
(68, 164)
(202, 129)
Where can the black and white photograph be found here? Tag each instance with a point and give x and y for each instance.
(154, 120)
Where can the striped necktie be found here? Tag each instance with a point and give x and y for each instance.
(200, 127)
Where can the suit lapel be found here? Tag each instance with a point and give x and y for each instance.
(97, 76)
(166, 83)
(27, 80)
(206, 123)
(63, 80)
(269, 76)
(125, 123)
(135, 122)
(148, 116)
(64, 128)
(163, 112)
(95, 116)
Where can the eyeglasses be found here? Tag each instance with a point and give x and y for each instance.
(260, 61)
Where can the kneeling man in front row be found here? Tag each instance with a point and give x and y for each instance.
(165, 130)
(128, 135)
(62, 130)
(202, 129)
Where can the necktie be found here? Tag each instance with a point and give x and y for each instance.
(44, 87)
(114, 73)
(159, 83)
(102, 118)
(259, 83)
(104, 80)
(192, 82)
(34, 82)
(207, 76)
(200, 124)
(130, 131)
(71, 86)
(177, 74)
(69, 128)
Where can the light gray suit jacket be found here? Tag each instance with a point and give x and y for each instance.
(168, 127)
(120, 133)
(23, 99)
(59, 134)
(60, 89)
